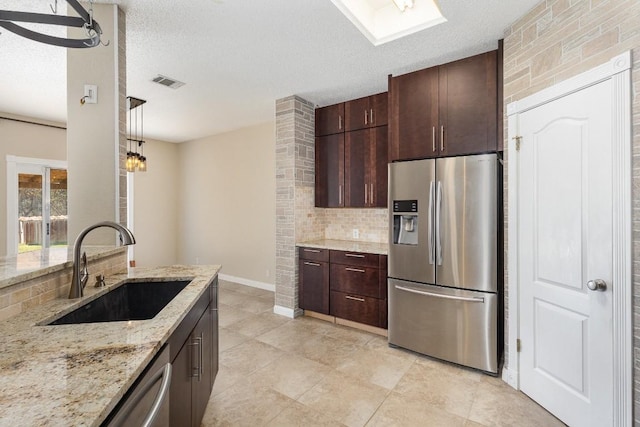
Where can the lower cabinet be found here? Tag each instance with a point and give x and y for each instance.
(195, 362)
(348, 285)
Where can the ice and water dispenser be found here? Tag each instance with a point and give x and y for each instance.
(405, 222)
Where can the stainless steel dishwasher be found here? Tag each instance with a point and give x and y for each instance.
(147, 402)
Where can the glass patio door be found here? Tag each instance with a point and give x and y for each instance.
(37, 210)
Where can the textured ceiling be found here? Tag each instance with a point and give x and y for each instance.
(238, 56)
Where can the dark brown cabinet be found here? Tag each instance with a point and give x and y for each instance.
(366, 153)
(351, 166)
(446, 110)
(194, 351)
(358, 292)
(330, 119)
(313, 277)
(329, 164)
(367, 112)
(348, 285)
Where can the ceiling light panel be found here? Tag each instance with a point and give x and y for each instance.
(382, 21)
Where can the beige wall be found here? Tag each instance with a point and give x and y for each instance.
(559, 39)
(155, 206)
(25, 140)
(95, 131)
(226, 206)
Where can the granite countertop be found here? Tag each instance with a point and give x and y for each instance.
(76, 374)
(347, 246)
(29, 265)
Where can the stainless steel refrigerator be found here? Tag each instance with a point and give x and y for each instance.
(443, 258)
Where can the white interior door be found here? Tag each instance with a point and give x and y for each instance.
(565, 229)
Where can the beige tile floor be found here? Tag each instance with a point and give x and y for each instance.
(276, 371)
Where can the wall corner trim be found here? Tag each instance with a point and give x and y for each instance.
(284, 311)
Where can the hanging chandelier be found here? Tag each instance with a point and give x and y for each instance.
(136, 161)
(8, 19)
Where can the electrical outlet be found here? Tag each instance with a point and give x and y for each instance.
(268, 273)
(356, 233)
(197, 260)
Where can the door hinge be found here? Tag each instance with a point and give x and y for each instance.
(518, 345)
(518, 139)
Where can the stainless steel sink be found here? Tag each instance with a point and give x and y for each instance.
(129, 301)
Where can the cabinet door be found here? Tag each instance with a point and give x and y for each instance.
(330, 119)
(413, 103)
(469, 105)
(378, 109)
(201, 362)
(213, 307)
(180, 389)
(377, 169)
(357, 114)
(314, 286)
(329, 162)
(356, 188)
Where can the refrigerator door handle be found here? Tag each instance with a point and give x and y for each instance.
(430, 224)
(438, 231)
(430, 294)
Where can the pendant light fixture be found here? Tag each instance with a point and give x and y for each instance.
(136, 161)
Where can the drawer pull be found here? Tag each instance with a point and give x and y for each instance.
(354, 255)
(315, 251)
(313, 264)
(357, 270)
(354, 298)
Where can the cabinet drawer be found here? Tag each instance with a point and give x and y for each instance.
(355, 258)
(355, 279)
(314, 254)
(356, 307)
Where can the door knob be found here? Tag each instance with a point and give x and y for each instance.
(597, 285)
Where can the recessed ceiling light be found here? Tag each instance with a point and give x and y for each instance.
(382, 21)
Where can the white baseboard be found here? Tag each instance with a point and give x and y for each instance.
(248, 282)
(510, 377)
(284, 311)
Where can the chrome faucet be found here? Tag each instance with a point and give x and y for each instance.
(80, 273)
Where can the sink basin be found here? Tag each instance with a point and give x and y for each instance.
(130, 301)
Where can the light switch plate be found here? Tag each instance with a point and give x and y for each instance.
(90, 94)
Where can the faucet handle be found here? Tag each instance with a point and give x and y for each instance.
(84, 273)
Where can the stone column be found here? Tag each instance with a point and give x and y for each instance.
(296, 217)
(96, 138)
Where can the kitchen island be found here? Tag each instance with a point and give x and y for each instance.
(77, 374)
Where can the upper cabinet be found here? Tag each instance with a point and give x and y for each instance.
(351, 165)
(368, 112)
(330, 120)
(447, 110)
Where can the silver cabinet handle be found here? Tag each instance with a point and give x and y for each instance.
(339, 195)
(339, 122)
(354, 255)
(365, 194)
(430, 224)
(430, 294)
(315, 251)
(123, 414)
(371, 197)
(365, 117)
(371, 116)
(438, 231)
(313, 264)
(433, 138)
(201, 358)
(196, 371)
(357, 270)
(441, 138)
(354, 298)
(597, 285)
